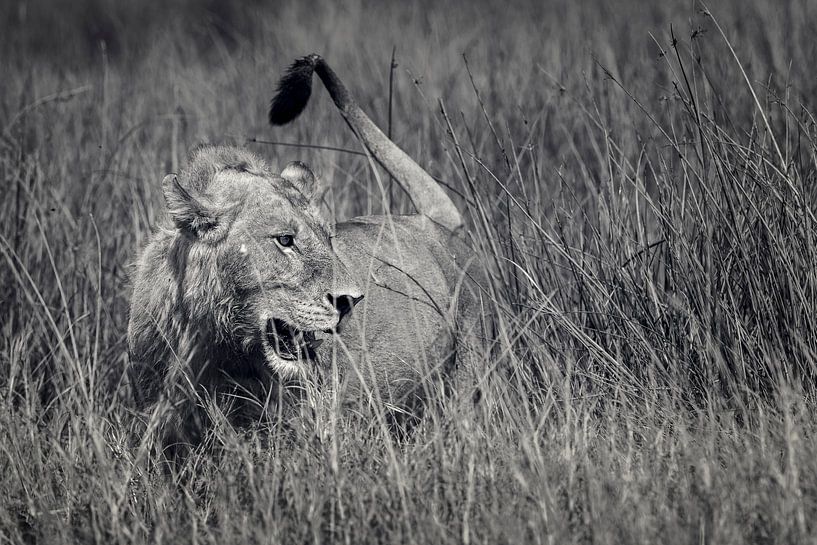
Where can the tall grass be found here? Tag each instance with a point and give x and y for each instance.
(638, 180)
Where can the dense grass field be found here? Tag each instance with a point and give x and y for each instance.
(639, 182)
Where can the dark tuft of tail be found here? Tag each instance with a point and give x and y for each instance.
(293, 91)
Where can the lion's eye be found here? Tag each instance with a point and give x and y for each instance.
(285, 241)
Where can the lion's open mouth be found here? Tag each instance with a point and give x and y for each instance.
(290, 343)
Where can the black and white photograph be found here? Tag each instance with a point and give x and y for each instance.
(428, 273)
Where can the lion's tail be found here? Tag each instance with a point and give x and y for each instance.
(290, 100)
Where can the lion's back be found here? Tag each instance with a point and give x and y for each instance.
(415, 279)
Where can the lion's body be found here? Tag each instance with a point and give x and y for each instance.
(421, 307)
(421, 302)
(247, 292)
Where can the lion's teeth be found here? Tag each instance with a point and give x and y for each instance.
(290, 342)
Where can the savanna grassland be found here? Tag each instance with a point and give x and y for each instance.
(639, 182)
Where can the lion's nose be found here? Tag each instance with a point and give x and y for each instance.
(343, 304)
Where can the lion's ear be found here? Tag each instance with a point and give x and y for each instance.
(188, 212)
(301, 176)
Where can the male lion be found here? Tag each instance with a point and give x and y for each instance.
(240, 294)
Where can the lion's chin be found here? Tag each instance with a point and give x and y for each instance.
(286, 348)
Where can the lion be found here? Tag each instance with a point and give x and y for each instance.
(250, 290)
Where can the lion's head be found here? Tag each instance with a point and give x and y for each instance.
(251, 258)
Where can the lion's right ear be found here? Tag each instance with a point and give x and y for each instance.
(301, 176)
(188, 212)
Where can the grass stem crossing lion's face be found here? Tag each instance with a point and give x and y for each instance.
(265, 275)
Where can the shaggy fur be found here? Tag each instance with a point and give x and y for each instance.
(206, 286)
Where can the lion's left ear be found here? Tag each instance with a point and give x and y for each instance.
(301, 176)
(190, 212)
